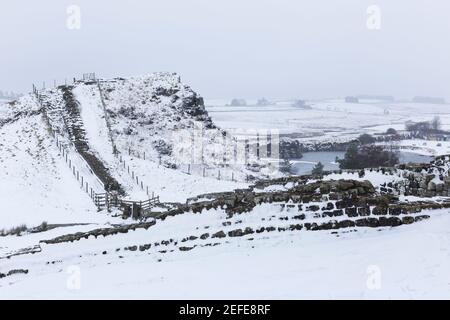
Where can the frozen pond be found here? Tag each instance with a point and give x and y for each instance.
(309, 160)
(406, 157)
(328, 159)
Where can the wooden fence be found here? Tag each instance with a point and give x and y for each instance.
(135, 208)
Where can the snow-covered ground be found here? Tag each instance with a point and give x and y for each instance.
(328, 120)
(408, 262)
(424, 147)
(3, 107)
(36, 185)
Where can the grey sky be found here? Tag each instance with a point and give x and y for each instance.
(235, 48)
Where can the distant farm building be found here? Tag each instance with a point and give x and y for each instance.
(238, 102)
(263, 102)
(301, 104)
(432, 100)
(351, 99)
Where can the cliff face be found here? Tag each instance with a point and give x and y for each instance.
(145, 112)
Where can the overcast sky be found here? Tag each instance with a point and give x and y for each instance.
(235, 48)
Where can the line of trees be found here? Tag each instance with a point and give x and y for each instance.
(367, 156)
(424, 127)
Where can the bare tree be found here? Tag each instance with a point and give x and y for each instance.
(436, 123)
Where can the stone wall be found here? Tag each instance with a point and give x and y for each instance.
(343, 203)
(422, 180)
(336, 198)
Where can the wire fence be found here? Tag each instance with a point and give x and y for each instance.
(86, 77)
(134, 175)
(101, 199)
(200, 170)
(64, 152)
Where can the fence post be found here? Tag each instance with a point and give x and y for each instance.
(246, 151)
(257, 146)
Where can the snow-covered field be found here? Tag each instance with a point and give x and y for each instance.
(424, 147)
(409, 262)
(328, 120)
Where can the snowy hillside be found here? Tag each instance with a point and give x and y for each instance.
(35, 184)
(46, 176)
